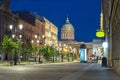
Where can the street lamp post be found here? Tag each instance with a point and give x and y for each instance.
(39, 41)
(43, 37)
(62, 54)
(15, 36)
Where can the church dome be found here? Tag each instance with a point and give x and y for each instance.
(67, 25)
(67, 31)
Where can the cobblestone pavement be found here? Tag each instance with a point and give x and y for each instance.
(63, 71)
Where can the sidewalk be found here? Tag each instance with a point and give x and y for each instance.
(7, 63)
(22, 63)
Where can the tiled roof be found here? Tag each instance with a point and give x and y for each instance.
(29, 16)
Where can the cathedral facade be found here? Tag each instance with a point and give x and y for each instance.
(68, 44)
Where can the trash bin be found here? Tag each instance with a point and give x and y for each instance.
(104, 62)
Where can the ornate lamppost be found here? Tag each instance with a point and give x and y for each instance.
(15, 36)
(39, 40)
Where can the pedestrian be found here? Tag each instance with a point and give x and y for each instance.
(104, 62)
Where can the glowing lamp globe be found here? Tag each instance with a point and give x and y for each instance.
(105, 45)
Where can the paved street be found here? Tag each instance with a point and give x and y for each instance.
(62, 71)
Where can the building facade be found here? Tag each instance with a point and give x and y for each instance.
(105, 9)
(36, 29)
(111, 12)
(42, 31)
(51, 32)
(68, 43)
(115, 33)
(33, 27)
(97, 47)
(6, 19)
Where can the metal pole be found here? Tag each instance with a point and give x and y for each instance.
(15, 56)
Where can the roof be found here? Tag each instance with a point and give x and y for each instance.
(29, 16)
(67, 25)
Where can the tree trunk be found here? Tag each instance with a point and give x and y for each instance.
(53, 59)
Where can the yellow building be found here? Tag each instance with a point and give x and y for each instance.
(42, 31)
(51, 32)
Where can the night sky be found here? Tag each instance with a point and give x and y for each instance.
(84, 15)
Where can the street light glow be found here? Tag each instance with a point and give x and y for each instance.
(11, 27)
(13, 36)
(20, 36)
(36, 36)
(43, 36)
(38, 41)
(105, 45)
(21, 26)
(32, 41)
